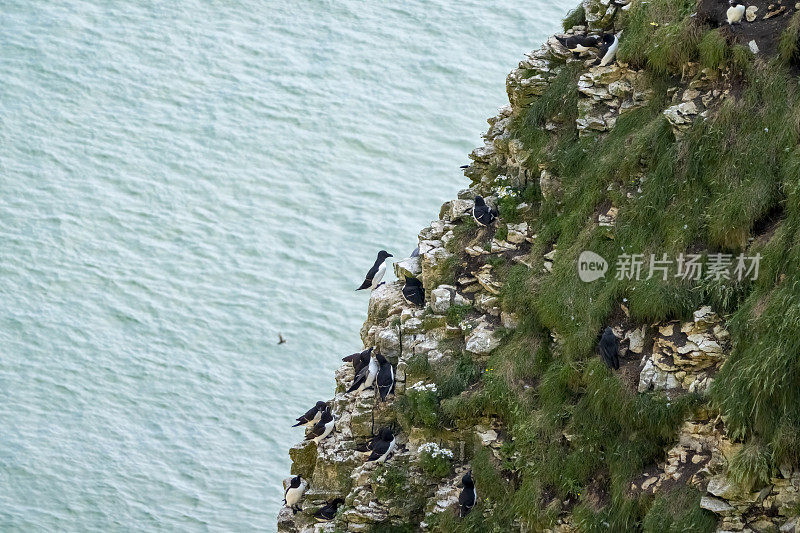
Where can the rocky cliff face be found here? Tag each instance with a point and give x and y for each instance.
(496, 373)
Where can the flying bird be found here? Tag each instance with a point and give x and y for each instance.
(281, 340)
(323, 428)
(375, 274)
(382, 448)
(468, 496)
(609, 348)
(365, 376)
(482, 213)
(577, 44)
(293, 494)
(608, 49)
(311, 416)
(385, 377)
(328, 512)
(413, 292)
(735, 12)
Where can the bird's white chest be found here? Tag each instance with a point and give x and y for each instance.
(379, 275)
(293, 495)
(612, 51)
(735, 13)
(579, 48)
(389, 450)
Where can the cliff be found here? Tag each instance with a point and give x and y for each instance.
(678, 167)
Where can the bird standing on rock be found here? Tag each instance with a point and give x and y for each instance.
(328, 512)
(468, 496)
(413, 292)
(577, 44)
(359, 359)
(608, 49)
(375, 274)
(311, 416)
(322, 428)
(365, 376)
(293, 494)
(482, 213)
(735, 12)
(385, 377)
(382, 448)
(609, 348)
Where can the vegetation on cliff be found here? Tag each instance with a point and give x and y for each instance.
(688, 145)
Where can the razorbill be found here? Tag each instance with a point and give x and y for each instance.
(609, 348)
(328, 512)
(370, 444)
(365, 376)
(413, 292)
(382, 448)
(323, 428)
(468, 496)
(311, 416)
(294, 492)
(735, 12)
(482, 213)
(377, 271)
(385, 377)
(577, 44)
(359, 359)
(608, 49)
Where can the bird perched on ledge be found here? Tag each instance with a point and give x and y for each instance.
(322, 428)
(482, 213)
(382, 448)
(577, 44)
(365, 376)
(328, 512)
(293, 494)
(608, 49)
(359, 359)
(609, 349)
(413, 292)
(468, 496)
(375, 274)
(311, 416)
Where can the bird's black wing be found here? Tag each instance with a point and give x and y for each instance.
(466, 500)
(369, 277)
(316, 431)
(385, 380)
(378, 449)
(310, 414)
(361, 376)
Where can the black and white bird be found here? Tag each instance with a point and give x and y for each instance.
(375, 274)
(468, 496)
(608, 49)
(413, 292)
(482, 213)
(294, 493)
(382, 448)
(359, 359)
(365, 376)
(370, 444)
(735, 12)
(578, 44)
(328, 512)
(311, 416)
(385, 377)
(609, 348)
(323, 428)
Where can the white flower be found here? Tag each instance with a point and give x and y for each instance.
(433, 449)
(422, 386)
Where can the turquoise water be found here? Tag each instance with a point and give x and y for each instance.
(178, 184)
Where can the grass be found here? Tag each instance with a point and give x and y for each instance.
(574, 431)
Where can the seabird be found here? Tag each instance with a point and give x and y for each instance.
(464, 167)
(294, 492)
(482, 213)
(385, 378)
(365, 376)
(609, 348)
(322, 428)
(608, 49)
(377, 271)
(413, 292)
(328, 512)
(311, 416)
(359, 359)
(577, 44)
(382, 448)
(281, 340)
(370, 444)
(735, 12)
(468, 495)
